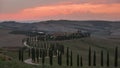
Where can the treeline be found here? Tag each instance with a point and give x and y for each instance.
(39, 50)
(39, 55)
(55, 37)
(44, 36)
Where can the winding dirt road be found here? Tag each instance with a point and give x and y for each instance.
(29, 61)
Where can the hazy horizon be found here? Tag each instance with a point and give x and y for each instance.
(32, 21)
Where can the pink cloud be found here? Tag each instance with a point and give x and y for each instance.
(63, 9)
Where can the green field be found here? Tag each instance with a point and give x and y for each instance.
(78, 46)
(10, 40)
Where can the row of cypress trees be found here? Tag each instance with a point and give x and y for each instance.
(35, 54)
(79, 60)
(102, 58)
(69, 58)
(53, 37)
(58, 50)
(92, 59)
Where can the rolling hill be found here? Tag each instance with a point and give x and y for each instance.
(78, 46)
(96, 28)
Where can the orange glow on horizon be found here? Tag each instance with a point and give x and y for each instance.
(68, 9)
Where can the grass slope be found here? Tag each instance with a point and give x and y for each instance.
(10, 40)
(79, 46)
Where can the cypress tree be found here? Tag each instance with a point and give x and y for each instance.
(37, 54)
(33, 54)
(81, 61)
(40, 53)
(51, 57)
(102, 58)
(89, 57)
(116, 57)
(22, 55)
(62, 49)
(29, 53)
(78, 60)
(71, 62)
(94, 59)
(43, 57)
(60, 58)
(107, 59)
(19, 55)
(67, 57)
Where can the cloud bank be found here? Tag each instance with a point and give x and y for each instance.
(77, 9)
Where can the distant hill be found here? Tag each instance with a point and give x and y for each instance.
(99, 28)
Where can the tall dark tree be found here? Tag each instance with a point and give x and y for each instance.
(60, 58)
(29, 52)
(51, 57)
(78, 60)
(107, 59)
(116, 57)
(37, 54)
(71, 59)
(94, 59)
(102, 58)
(89, 57)
(43, 57)
(81, 61)
(20, 54)
(67, 57)
(33, 54)
(62, 49)
(40, 53)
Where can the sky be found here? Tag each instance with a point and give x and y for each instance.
(23, 10)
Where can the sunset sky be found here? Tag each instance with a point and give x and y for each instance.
(22, 10)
